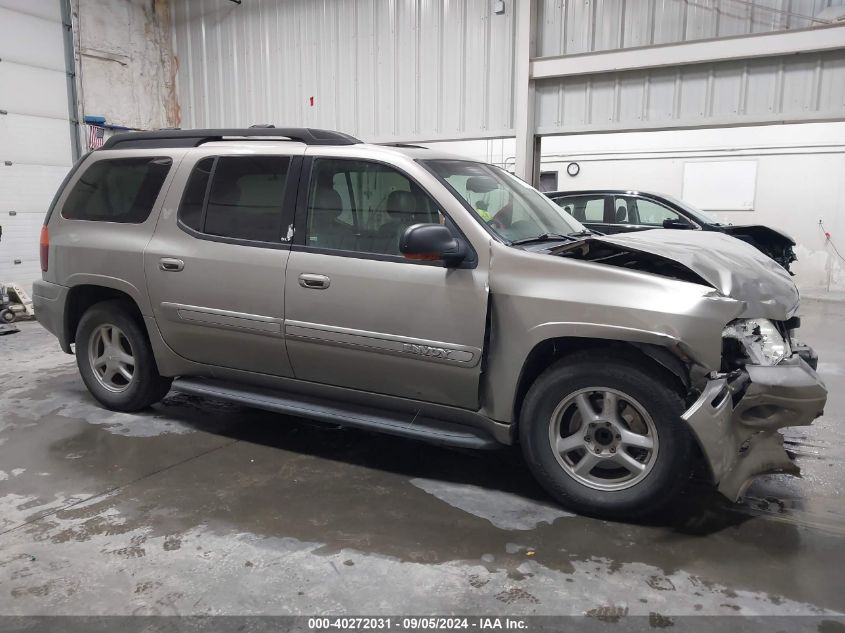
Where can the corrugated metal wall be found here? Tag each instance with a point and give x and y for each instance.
(377, 69)
(443, 69)
(789, 88)
(792, 88)
(568, 27)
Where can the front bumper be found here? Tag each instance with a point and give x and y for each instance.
(736, 420)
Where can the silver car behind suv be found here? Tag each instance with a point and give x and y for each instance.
(399, 289)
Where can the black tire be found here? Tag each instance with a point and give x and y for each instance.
(658, 396)
(146, 386)
(7, 316)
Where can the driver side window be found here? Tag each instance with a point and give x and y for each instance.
(364, 207)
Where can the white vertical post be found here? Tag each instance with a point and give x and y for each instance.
(527, 143)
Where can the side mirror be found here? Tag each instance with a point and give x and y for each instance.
(677, 223)
(432, 242)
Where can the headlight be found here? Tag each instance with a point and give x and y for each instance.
(760, 339)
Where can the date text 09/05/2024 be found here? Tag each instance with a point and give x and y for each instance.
(415, 623)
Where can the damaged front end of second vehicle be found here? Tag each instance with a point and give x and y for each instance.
(766, 380)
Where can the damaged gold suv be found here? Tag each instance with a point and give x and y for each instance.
(402, 290)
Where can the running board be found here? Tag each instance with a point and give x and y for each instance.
(404, 424)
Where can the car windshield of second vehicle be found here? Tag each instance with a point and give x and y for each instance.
(513, 210)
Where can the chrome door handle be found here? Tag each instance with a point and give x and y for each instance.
(171, 265)
(315, 282)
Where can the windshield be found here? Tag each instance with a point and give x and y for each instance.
(697, 214)
(511, 209)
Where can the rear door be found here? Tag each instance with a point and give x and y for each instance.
(215, 267)
(589, 209)
(360, 315)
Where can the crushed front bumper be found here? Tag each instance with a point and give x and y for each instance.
(737, 417)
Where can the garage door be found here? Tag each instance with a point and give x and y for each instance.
(35, 142)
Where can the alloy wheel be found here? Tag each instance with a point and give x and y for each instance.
(111, 357)
(603, 438)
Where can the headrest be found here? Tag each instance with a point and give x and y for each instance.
(328, 202)
(621, 213)
(399, 202)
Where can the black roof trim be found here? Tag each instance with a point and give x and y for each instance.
(403, 145)
(194, 138)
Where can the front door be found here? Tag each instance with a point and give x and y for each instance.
(358, 314)
(215, 266)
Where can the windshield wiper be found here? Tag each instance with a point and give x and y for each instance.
(544, 237)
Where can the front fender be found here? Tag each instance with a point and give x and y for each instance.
(536, 297)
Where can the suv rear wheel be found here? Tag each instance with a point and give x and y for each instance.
(604, 436)
(115, 359)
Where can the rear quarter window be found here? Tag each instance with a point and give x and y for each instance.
(117, 190)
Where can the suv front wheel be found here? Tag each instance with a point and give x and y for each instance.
(115, 359)
(604, 436)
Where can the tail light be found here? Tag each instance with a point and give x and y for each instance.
(45, 248)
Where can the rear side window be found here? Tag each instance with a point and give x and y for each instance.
(117, 190)
(243, 200)
(583, 208)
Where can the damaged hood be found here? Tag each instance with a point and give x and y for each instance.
(764, 234)
(731, 266)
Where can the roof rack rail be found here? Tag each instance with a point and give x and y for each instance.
(194, 138)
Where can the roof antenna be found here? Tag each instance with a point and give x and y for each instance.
(262, 125)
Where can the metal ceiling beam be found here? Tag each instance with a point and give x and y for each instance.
(698, 52)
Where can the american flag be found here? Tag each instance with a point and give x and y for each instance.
(96, 136)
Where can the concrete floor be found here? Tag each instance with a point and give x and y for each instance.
(200, 507)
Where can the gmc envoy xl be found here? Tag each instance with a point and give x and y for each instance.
(403, 290)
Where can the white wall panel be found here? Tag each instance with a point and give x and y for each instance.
(377, 69)
(20, 259)
(32, 40)
(47, 9)
(28, 188)
(33, 91)
(35, 142)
